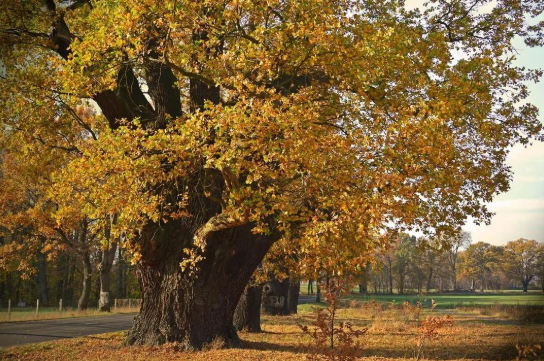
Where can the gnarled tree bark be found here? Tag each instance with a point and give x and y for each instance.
(195, 306)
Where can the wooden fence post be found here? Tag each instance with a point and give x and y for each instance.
(37, 306)
(60, 306)
(115, 305)
(9, 310)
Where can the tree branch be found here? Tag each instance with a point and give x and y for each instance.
(218, 223)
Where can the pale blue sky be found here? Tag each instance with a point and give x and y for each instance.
(520, 211)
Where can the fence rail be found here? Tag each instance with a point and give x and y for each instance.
(12, 311)
(126, 303)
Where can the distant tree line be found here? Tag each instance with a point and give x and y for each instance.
(454, 264)
(411, 265)
(73, 277)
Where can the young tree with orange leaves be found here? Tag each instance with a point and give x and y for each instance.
(222, 127)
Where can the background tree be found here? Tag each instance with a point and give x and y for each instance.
(403, 258)
(540, 264)
(520, 260)
(479, 261)
(429, 265)
(453, 244)
(260, 121)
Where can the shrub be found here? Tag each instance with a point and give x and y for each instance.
(428, 331)
(330, 341)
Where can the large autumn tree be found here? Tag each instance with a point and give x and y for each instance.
(221, 127)
(520, 260)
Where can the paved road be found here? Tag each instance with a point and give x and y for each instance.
(302, 299)
(20, 333)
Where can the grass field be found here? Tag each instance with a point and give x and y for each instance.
(443, 301)
(454, 300)
(461, 300)
(393, 334)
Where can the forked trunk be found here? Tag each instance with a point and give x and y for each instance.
(248, 312)
(194, 306)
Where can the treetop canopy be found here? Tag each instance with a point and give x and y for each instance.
(315, 118)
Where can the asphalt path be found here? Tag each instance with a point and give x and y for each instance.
(302, 299)
(21, 333)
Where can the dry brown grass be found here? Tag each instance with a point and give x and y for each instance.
(18, 316)
(392, 335)
(524, 313)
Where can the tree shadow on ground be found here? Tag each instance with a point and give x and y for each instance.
(267, 346)
(445, 352)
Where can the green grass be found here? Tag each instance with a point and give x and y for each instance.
(454, 300)
(459, 300)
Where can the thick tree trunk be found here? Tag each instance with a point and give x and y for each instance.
(292, 296)
(285, 295)
(104, 303)
(248, 311)
(311, 287)
(86, 290)
(281, 298)
(68, 292)
(196, 305)
(121, 283)
(42, 277)
(274, 300)
(525, 286)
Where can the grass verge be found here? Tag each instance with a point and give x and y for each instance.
(21, 315)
